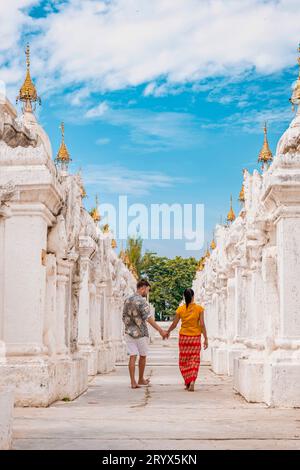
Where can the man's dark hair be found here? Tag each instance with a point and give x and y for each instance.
(142, 283)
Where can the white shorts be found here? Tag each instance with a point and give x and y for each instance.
(137, 346)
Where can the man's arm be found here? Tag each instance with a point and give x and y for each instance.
(146, 314)
(153, 323)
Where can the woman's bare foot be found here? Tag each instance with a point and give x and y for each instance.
(144, 382)
(135, 385)
(192, 387)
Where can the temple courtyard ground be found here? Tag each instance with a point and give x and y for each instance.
(162, 416)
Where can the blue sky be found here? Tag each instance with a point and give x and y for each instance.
(163, 101)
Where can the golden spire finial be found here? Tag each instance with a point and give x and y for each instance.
(231, 214)
(265, 155)
(126, 259)
(122, 253)
(242, 194)
(63, 156)
(213, 244)
(133, 270)
(83, 192)
(94, 213)
(105, 228)
(81, 186)
(207, 254)
(295, 98)
(27, 53)
(241, 197)
(28, 93)
(201, 264)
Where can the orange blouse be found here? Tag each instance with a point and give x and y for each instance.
(190, 319)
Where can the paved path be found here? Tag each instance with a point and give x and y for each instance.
(162, 416)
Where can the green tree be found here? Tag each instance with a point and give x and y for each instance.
(168, 278)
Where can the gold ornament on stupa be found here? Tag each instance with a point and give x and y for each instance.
(213, 244)
(201, 264)
(231, 214)
(63, 157)
(265, 155)
(81, 186)
(105, 228)
(28, 94)
(113, 243)
(207, 254)
(83, 192)
(122, 254)
(126, 259)
(242, 194)
(133, 271)
(94, 213)
(295, 98)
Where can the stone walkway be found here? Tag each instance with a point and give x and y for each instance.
(162, 416)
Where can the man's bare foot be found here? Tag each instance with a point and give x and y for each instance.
(144, 382)
(135, 385)
(192, 387)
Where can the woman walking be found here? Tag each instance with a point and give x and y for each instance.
(192, 326)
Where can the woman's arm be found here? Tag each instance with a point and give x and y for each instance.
(203, 329)
(173, 324)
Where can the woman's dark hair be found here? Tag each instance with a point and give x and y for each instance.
(188, 295)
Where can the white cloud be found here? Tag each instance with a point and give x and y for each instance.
(112, 45)
(78, 97)
(98, 111)
(162, 89)
(246, 89)
(117, 179)
(150, 129)
(14, 20)
(103, 141)
(252, 121)
(150, 88)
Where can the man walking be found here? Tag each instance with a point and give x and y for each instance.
(136, 315)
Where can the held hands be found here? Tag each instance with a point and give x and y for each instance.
(164, 334)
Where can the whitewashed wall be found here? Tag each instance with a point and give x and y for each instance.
(250, 284)
(62, 286)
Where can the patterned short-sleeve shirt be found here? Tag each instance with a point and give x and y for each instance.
(135, 313)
